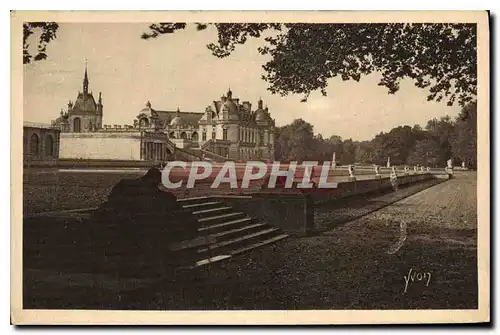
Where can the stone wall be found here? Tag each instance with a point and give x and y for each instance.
(292, 213)
(109, 146)
(42, 155)
(367, 186)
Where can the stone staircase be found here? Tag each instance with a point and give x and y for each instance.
(228, 231)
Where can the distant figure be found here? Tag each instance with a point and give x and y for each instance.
(394, 178)
(351, 170)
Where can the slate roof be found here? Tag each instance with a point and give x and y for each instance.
(85, 103)
(189, 118)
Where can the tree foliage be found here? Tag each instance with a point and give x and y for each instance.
(441, 140)
(48, 32)
(426, 153)
(439, 57)
(464, 136)
(294, 142)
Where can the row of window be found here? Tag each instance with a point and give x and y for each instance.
(245, 136)
(204, 135)
(250, 136)
(194, 136)
(249, 154)
(34, 146)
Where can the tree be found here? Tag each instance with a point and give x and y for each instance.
(295, 142)
(426, 152)
(441, 130)
(348, 155)
(365, 152)
(48, 32)
(396, 144)
(440, 57)
(464, 137)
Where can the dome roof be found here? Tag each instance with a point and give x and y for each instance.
(260, 115)
(177, 120)
(147, 109)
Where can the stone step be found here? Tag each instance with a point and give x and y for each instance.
(203, 213)
(215, 255)
(210, 260)
(193, 200)
(204, 205)
(213, 229)
(231, 233)
(258, 244)
(227, 246)
(212, 220)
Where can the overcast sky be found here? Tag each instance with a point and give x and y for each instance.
(178, 70)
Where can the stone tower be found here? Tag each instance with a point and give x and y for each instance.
(84, 115)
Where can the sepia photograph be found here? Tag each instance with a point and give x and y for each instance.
(250, 167)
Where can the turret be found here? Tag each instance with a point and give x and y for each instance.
(99, 104)
(100, 107)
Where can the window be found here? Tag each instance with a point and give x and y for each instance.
(224, 134)
(204, 136)
(183, 135)
(252, 138)
(77, 125)
(144, 122)
(34, 144)
(194, 136)
(49, 146)
(172, 135)
(213, 134)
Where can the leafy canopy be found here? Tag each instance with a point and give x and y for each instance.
(47, 31)
(439, 57)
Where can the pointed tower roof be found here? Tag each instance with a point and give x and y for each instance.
(85, 80)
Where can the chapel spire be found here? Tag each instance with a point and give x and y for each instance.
(85, 81)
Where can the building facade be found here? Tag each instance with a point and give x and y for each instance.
(40, 144)
(227, 129)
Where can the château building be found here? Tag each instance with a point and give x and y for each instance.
(227, 130)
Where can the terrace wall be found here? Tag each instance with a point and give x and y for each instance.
(293, 210)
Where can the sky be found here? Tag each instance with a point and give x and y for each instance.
(178, 71)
